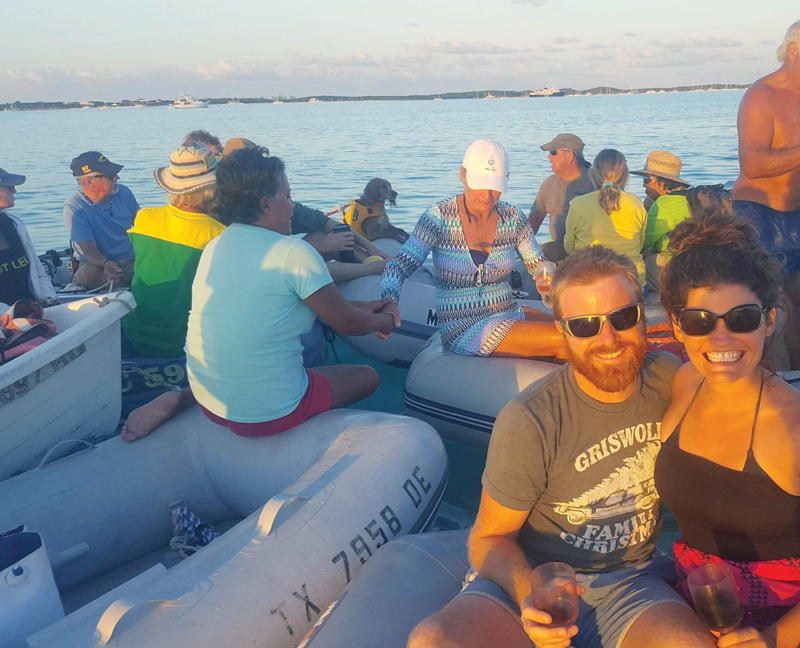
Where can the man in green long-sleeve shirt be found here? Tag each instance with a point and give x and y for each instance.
(661, 175)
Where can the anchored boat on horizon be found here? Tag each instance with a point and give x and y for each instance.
(188, 101)
(547, 92)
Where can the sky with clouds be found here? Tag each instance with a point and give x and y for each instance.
(56, 50)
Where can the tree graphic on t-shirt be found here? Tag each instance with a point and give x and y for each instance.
(628, 489)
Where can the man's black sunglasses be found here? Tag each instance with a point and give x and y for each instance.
(589, 326)
(697, 322)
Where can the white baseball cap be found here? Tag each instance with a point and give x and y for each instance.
(486, 162)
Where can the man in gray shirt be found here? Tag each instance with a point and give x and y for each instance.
(569, 477)
(570, 179)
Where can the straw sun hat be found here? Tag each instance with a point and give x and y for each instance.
(664, 165)
(190, 168)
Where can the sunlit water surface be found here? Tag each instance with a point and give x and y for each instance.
(332, 149)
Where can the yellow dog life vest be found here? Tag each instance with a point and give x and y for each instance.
(354, 214)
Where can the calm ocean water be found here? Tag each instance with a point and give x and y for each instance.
(333, 149)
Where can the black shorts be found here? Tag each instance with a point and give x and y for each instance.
(779, 231)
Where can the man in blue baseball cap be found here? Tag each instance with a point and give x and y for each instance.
(98, 218)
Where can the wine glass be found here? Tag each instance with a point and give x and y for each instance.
(716, 597)
(544, 277)
(553, 590)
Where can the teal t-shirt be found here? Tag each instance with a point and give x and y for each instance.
(664, 215)
(244, 358)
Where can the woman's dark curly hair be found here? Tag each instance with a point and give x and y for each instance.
(243, 179)
(714, 249)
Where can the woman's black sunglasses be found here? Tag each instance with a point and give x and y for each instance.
(697, 322)
(588, 326)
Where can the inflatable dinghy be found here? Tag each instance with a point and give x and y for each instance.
(307, 508)
(461, 396)
(417, 310)
(407, 581)
(68, 387)
(418, 318)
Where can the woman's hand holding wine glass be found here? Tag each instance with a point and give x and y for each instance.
(746, 638)
(716, 602)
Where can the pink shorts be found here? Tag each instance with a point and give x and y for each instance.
(317, 399)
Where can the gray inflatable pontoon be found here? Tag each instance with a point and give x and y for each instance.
(405, 582)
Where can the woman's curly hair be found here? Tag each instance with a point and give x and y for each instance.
(713, 249)
(243, 179)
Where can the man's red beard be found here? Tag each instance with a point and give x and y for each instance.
(609, 377)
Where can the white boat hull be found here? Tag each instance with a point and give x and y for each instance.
(342, 484)
(67, 388)
(461, 396)
(418, 318)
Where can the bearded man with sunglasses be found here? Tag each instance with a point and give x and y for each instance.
(98, 218)
(569, 478)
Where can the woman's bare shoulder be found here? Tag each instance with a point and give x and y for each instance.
(686, 380)
(783, 401)
(684, 386)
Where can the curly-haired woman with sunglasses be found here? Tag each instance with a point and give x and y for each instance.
(729, 466)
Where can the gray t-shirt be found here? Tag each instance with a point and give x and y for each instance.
(554, 197)
(584, 469)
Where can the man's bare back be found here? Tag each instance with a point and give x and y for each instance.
(769, 139)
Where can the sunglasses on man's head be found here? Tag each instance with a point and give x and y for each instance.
(697, 322)
(648, 179)
(10, 188)
(589, 326)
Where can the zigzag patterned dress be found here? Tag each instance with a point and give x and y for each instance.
(475, 306)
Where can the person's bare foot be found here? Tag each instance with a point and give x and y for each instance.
(143, 420)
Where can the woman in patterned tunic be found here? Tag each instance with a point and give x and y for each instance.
(474, 239)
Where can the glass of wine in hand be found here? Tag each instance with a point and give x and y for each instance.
(553, 590)
(716, 598)
(544, 277)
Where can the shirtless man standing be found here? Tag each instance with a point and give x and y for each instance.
(767, 191)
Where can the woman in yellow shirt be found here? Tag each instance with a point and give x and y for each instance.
(609, 215)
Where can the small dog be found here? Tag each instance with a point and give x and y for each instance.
(377, 192)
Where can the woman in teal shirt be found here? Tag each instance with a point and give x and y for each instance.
(256, 291)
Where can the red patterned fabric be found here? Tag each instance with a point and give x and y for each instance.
(767, 588)
(660, 338)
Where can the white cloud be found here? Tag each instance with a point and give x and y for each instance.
(601, 46)
(461, 47)
(219, 69)
(550, 48)
(561, 40)
(683, 43)
(535, 3)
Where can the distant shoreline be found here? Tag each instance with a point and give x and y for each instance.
(19, 106)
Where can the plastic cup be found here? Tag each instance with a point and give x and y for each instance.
(544, 277)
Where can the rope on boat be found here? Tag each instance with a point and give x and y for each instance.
(105, 301)
(189, 532)
(330, 338)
